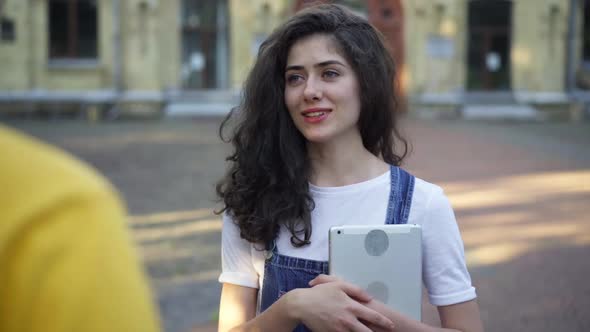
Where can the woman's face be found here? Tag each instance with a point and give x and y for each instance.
(321, 90)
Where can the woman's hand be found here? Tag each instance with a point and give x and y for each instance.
(335, 305)
(359, 295)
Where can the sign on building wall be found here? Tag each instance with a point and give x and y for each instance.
(439, 47)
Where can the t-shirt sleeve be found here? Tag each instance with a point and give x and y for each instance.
(236, 257)
(445, 272)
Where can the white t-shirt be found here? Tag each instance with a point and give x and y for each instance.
(445, 274)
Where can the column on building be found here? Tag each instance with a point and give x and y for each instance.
(539, 55)
(539, 46)
(435, 51)
(251, 22)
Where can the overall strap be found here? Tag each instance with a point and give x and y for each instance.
(400, 196)
(271, 249)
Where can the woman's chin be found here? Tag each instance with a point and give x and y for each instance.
(317, 138)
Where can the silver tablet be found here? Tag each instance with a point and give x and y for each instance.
(386, 260)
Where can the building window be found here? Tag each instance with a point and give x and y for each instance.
(73, 29)
(7, 33)
(204, 36)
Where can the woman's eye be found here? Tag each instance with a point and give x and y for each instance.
(294, 78)
(331, 74)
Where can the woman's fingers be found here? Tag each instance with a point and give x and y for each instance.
(372, 317)
(359, 327)
(351, 290)
(354, 292)
(322, 279)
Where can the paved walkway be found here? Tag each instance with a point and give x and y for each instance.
(520, 193)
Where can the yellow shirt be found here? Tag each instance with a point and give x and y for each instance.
(66, 258)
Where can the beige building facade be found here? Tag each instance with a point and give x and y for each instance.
(155, 56)
(135, 56)
(522, 54)
(86, 52)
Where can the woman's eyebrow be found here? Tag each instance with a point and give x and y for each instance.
(329, 63)
(320, 64)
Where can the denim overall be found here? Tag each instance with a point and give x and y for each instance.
(284, 273)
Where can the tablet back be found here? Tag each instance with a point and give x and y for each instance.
(385, 260)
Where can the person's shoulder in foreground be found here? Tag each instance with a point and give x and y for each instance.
(68, 263)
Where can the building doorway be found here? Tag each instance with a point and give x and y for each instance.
(586, 34)
(583, 72)
(489, 42)
(204, 29)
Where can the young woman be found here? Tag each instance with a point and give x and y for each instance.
(315, 146)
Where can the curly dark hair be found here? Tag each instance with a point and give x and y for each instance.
(266, 185)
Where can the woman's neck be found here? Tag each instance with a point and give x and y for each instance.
(342, 163)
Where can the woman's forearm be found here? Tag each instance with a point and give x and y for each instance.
(406, 324)
(402, 323)
(280, 316)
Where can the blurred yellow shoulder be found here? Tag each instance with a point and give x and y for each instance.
(34, 175)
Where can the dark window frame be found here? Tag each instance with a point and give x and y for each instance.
(7, 30)
(585, 40)
(72, 48)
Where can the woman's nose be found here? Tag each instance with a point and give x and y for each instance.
(312, 90)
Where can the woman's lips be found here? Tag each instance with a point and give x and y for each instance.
(315, 115)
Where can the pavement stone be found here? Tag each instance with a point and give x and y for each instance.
(520, 192)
